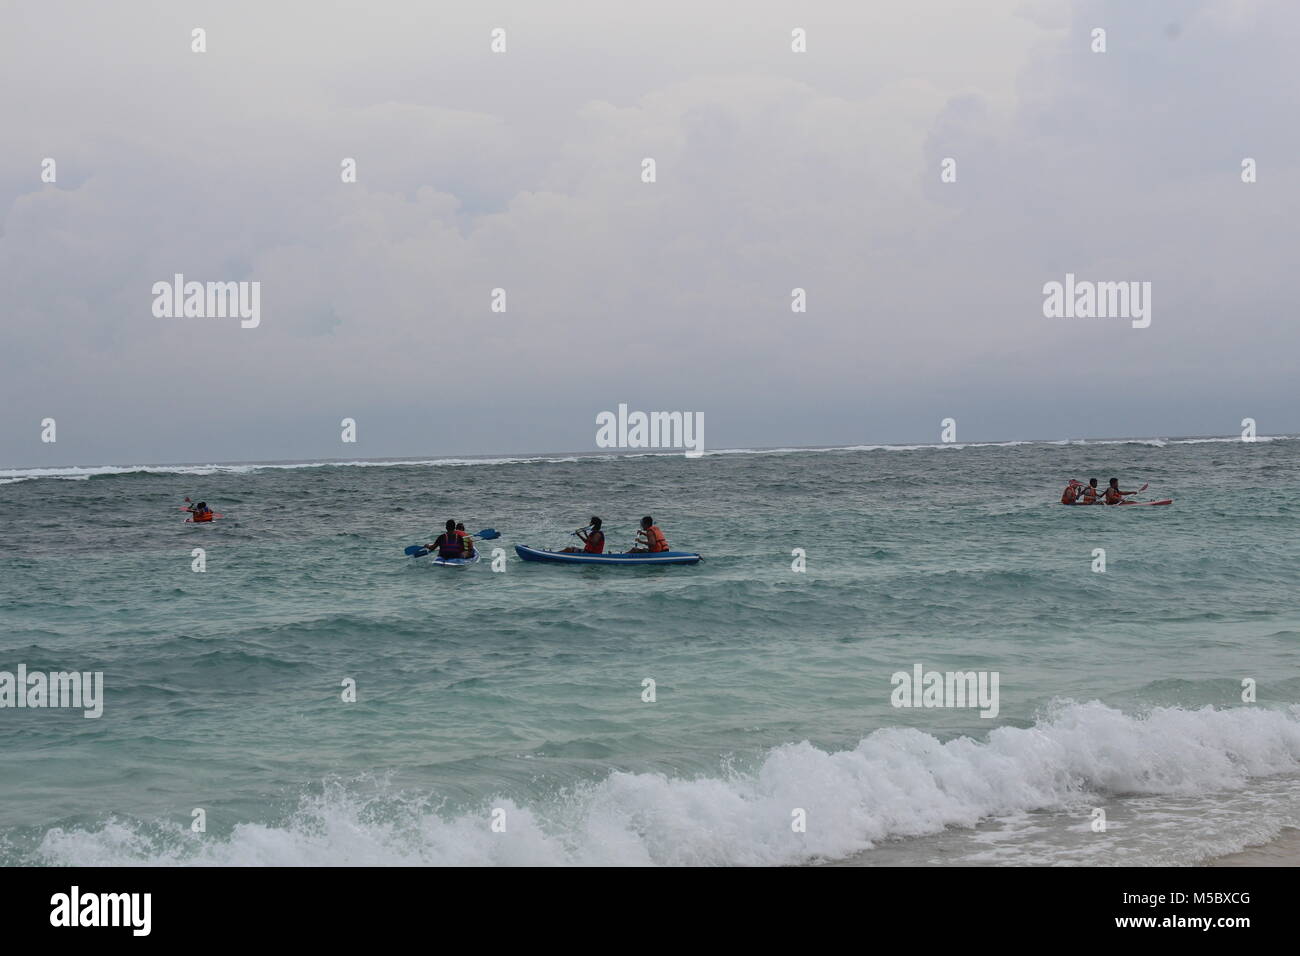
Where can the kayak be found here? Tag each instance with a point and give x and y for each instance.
(581, 557)
(203, 520)
(1163, 501)
(447, 562)
(456, 562)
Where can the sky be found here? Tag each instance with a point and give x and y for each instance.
(522, 170)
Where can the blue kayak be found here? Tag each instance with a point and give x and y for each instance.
(448, 562)
(580, 557)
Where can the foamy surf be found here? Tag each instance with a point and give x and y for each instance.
(895, 784)
(82, 473)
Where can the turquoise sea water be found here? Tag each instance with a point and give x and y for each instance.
(521, 691)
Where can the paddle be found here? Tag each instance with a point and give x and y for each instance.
(419, 550)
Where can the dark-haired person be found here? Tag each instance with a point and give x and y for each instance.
(651, 537)
(200, 511)
(1089, 494)
(449, 544)
(466, 541)
(1113, 495)
(592, 538)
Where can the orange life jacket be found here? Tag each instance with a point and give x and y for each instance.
(1089, 494)
(1113, 497)
(1070, 494)
(657, 540)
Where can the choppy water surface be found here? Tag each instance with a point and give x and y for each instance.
(522, 690)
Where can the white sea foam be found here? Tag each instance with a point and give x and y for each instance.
(8, 476)
(896, 783)
(82, 473)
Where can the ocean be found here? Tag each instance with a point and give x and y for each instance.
(503, 717)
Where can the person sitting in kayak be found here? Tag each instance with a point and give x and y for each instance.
(651, 537)
(199, 512)
(449, 544)
(1071, 493)
(466, 541)
(1113, 495)
(1089, 494)
(592, 538)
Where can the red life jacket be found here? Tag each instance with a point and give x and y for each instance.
(450, 545)
(595, 543)
(657, 540)
(1070, 494)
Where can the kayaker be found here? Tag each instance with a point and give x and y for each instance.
(592, 538)
(466, 541)
(449, 543)
(651, 537)
(1089, 496)
(1113, 495)
(200, 511)
(1071, 493)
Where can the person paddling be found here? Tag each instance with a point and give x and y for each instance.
(1088, 496)
(449, 544)
(1071, 494)
(200, 511)
(592, 538)
(1113, 495)
(651, 537)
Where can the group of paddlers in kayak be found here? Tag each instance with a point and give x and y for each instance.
(1077, 493)
(453, 543)
(649, 540)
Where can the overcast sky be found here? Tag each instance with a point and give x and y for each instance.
(522, 170)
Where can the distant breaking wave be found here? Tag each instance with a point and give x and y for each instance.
(895, 783)
(85, 473)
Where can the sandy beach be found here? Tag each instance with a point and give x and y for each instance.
(1284, 851)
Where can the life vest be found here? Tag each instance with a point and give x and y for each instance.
(1070, 494)
(1113, 497)
(1089, 494)
(450, 546)
(656, 537)
(595, 543)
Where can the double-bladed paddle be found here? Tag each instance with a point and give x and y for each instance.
(419, 550)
